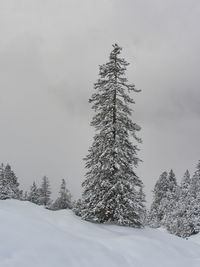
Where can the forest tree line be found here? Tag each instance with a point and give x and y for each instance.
(40, 195)
(174, 206)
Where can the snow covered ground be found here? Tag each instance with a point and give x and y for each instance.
(195, 238)
(31, 236)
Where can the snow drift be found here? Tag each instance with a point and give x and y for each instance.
(32, 236)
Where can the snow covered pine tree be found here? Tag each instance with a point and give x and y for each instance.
(9, 186)
(44, 192)
(164, 198)
(112, 190)
(157, 211)
(180, 220)
(194, 208)
(34, 194)
(64, 199)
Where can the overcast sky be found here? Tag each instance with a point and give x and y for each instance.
(49, 57)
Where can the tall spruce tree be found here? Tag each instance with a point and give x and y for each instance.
(112, 188)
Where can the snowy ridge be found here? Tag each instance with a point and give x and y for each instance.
(32, 236)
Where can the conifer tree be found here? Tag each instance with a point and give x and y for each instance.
(25, 196)
(163, 199)
(111, 189)
(185, 184)
(5, 191)
(170, 200)
(12, 181)
(34, 195)
(78, 207)
(195, 182)
(194, 211)
(156, 213)
(64, 199)
(143, 201)
(20, 195)
(9, 186)
(44, 192)
(179, 222)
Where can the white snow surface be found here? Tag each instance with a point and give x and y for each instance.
(195, 238)
(31, 236)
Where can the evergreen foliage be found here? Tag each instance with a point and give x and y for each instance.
(64, 199)
(179, 221)
(34, 194)
(111, 189)
(156, 213)
(143, 201)
(194, 211)
(20, 195)
(9, 186)
(44, 192)
(170, 200)
(195, 182)
(185, 184)
(78, 207)
(25, 196)
(164, 195)
(177, 207)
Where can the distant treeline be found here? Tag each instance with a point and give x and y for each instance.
(9, 188)
(176, 207)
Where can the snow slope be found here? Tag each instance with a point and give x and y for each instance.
(33, 236)
(195, 238)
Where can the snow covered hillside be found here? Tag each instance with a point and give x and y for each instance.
(31, 236)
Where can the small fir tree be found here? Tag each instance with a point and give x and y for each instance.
(143, 203)
(21, 195)
(64, 199)
(194, 211)
(111, 189)
(34, 194)
(9, 186)
(171, 198)
(194, 215)
(44, 192)
(5, 191)
(195, 182)
(156, 213)
(185, 184)
(163, 199)
(25, 196)
(180, 223)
